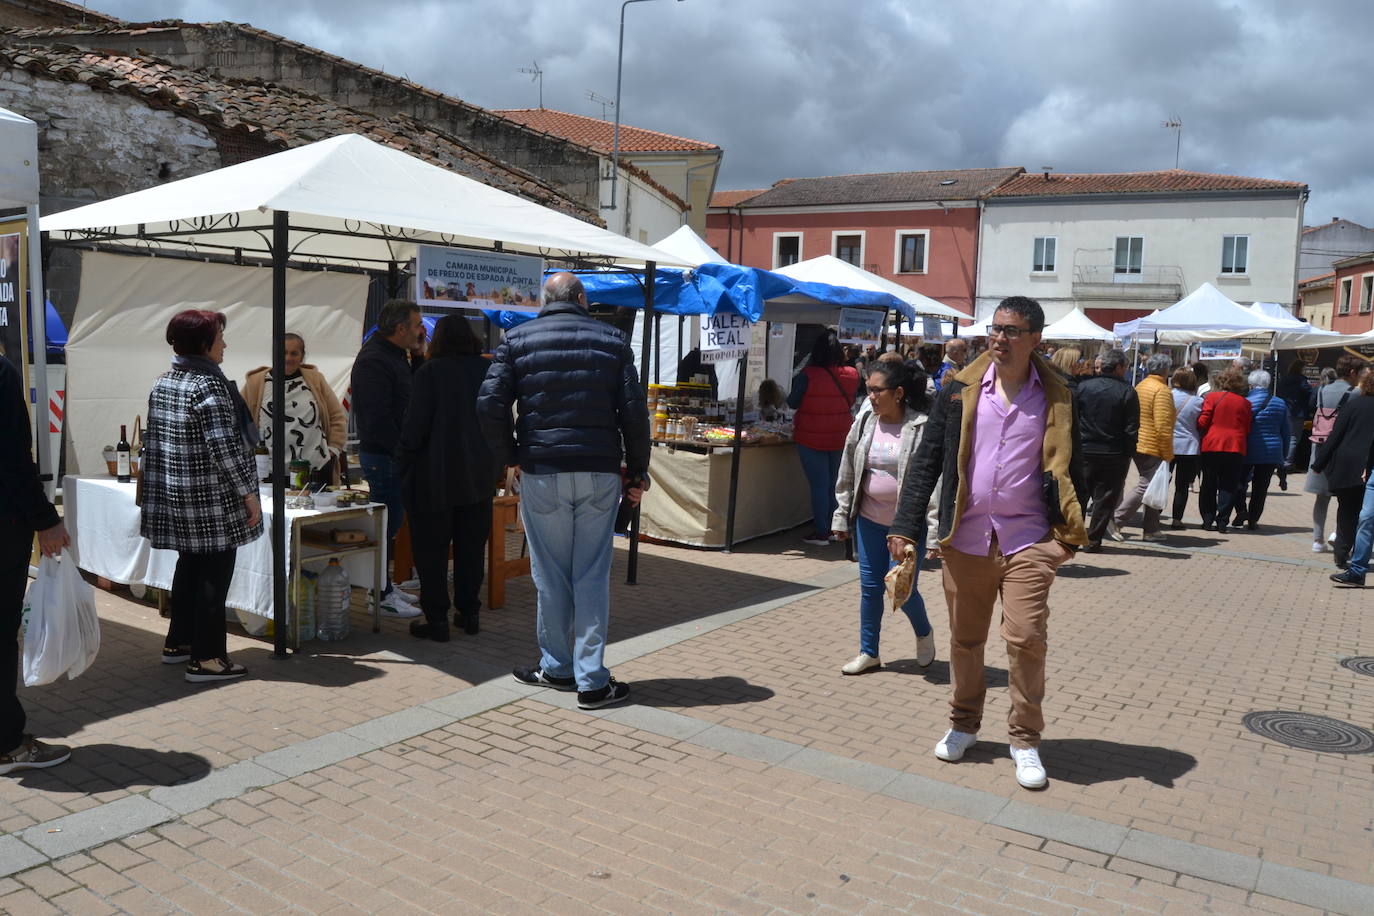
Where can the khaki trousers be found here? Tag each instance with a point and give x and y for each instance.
(972, 585)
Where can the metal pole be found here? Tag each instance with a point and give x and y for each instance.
(632, 567)
(658, 357)
(281, 231)
(734, 456)
(38, 298)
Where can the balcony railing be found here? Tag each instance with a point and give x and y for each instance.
(1153, 281)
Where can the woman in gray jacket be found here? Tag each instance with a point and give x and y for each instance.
(874, 461)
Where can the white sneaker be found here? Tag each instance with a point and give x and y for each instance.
(1114, 532)
(954, 743)
(1318, 547)
(1030, 772)
(861, 663)
(392, 606)
(925, 649)
(409, 583)
(1331, 538)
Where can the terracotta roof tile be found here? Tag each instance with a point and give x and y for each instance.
(282, 117)
(61, 10)
(734, 198)
(1161, 182)
(1342, 223)
(1319, 280)
(883, 187)
(598, 134)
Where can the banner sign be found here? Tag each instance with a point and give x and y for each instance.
(459, 278)
(932, 329)
(725, 336)
(861, 326)
(11, 299)
(1219, 349)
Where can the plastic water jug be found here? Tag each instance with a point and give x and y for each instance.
(332, 599)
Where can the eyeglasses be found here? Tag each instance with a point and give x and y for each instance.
(1009, 331)
(873, 388)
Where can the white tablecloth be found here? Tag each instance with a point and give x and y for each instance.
(104, 524)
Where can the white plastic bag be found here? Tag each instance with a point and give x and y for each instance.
(61, 629)
(1157, 493)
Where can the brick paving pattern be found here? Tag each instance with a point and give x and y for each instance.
(1156, 654)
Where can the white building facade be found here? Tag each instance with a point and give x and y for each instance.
(1122, 245)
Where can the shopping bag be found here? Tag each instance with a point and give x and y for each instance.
(1157, 493)
(61, 629)
(900, 578)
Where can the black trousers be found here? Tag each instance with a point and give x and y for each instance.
(1105, 478)
(1348, 503)
(466, 529)
(1185, 469)
(16, 542)
(199, 587)
(1260, 477)
(1223, 474)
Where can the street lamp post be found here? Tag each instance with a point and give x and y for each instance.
(615, 137)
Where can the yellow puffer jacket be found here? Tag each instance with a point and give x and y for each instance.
(1156, 418)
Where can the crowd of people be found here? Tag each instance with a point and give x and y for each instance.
(1001, 462)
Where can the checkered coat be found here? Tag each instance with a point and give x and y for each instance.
(196, 467)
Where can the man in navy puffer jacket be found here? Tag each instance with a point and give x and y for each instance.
(578, 399)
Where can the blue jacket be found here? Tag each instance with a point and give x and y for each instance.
(573, 380)
(1268, 439)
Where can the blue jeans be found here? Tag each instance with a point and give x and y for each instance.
(385, 486)
(822, 469)
(1364, 532)
(870, 543)
(569, 520)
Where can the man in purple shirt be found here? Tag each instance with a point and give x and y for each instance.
(1004, 435)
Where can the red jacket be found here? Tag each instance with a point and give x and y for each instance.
(1225, 422)
(823, 419)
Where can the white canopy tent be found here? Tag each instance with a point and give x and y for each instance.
(830, 269)
(342, 201)
(692, 248)
(1204, 314)
(19, 188)
(1076, 326)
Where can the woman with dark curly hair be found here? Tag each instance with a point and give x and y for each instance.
(1225, 423)
(200, 490)
(823, 395)
(876, 452)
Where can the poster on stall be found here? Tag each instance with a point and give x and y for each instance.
(724, 337)
(11, 297)
(932, 329)
(1219, 349)
(460, 278)
(861, 326)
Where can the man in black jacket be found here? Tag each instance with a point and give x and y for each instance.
(381, 393)
(578, 397)
(24, 509)
(1108, 423)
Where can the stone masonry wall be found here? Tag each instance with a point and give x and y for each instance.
(94, 145)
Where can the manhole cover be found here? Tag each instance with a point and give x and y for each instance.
(1360, 664)
(1310, 733)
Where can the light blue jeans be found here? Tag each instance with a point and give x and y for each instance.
(1364, 532)
(870, 544)
(569, 520)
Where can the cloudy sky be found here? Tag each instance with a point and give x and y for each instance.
(792, 88)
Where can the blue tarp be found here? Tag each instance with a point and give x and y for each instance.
(710, 288)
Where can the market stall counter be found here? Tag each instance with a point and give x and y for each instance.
(104, 519)
(690, 496)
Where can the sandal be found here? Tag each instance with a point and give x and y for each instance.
(175, 655)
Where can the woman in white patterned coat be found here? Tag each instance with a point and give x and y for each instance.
(200, 490)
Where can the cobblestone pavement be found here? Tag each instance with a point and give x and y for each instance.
(385, 774)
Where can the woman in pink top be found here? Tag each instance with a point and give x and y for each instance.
(876, 452)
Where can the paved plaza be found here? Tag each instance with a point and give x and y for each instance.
(747, 775)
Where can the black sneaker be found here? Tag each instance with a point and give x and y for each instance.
(424, 629)
(1347, 579)
(213, 669)
(32, 754)
(614, 692)
(536, 677)
(467, 622)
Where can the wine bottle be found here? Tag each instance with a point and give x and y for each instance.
(343, 471)
(263, 459)
(122, 453)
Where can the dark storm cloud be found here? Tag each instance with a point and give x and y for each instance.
(816, 87)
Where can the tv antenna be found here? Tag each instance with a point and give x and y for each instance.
(535, 74)
(1175, 124)
(601, 100)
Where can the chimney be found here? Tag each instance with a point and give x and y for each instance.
(1047, 169)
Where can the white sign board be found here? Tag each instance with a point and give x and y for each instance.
(932, 329)
(861, 326)
(459, 278)
(1219, 349)
(724, 337)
